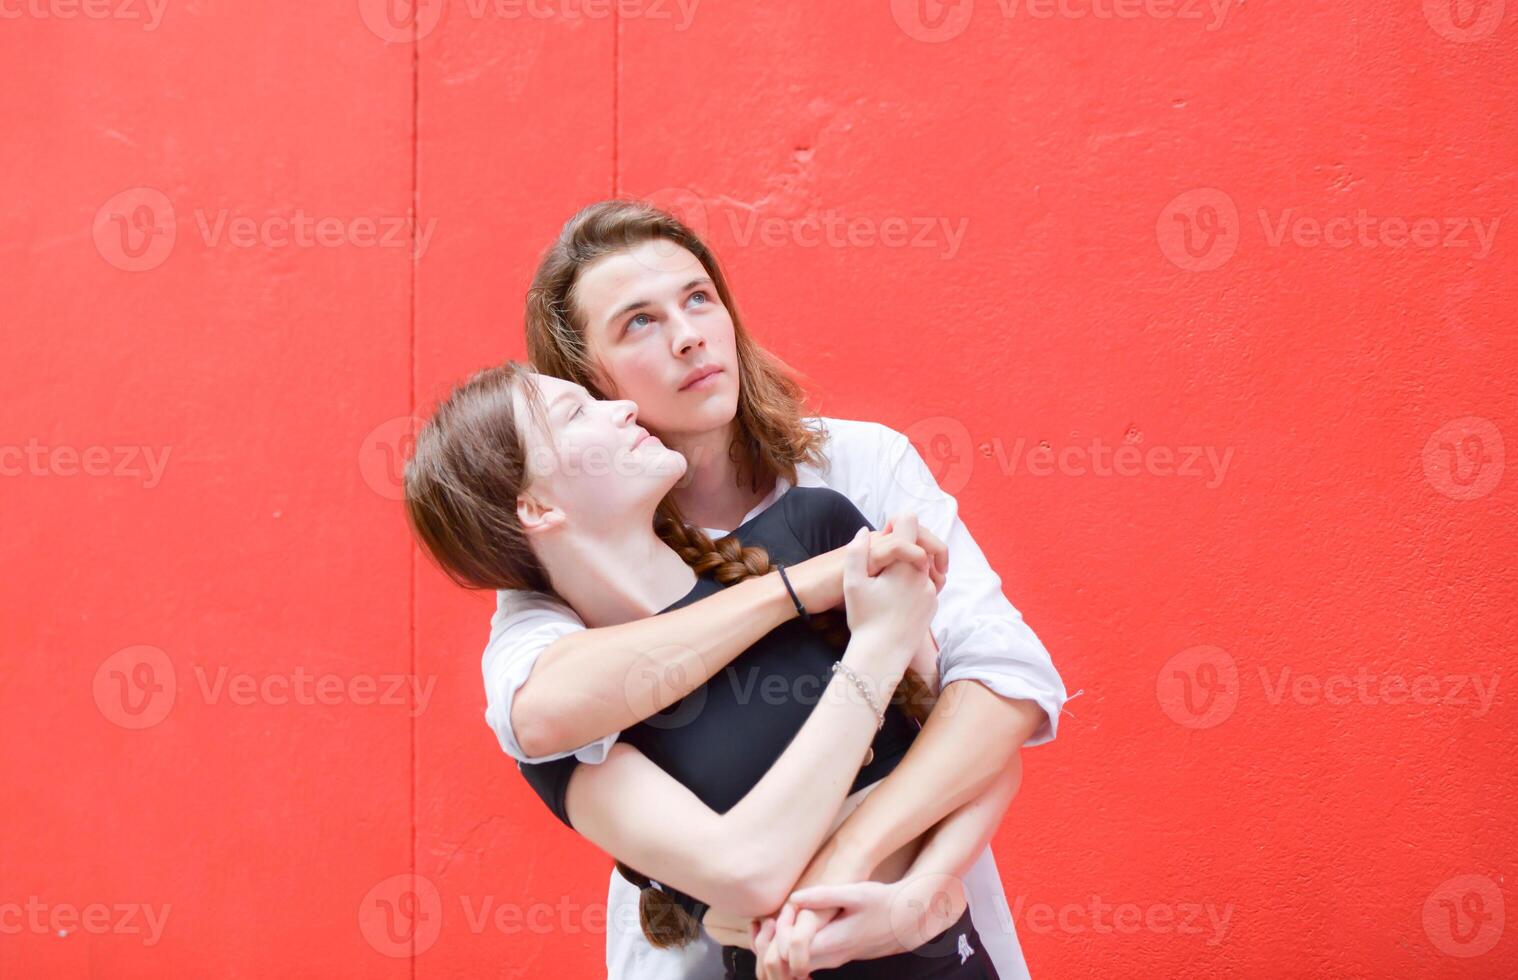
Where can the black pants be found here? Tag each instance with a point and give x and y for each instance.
(954, 953)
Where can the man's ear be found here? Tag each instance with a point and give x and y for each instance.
(536, 516)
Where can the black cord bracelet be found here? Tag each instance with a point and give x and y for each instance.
(806, 617)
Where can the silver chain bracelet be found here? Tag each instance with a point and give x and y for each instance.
(864, 689)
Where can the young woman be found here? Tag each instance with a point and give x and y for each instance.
(727, 801)
(629, 303)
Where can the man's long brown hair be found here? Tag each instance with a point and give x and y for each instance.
(769, 435)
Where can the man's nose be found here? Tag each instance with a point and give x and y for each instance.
(684, 334)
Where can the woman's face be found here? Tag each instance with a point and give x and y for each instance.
(593, 462)
(658, 330)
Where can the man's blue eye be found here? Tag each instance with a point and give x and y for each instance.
(699, 292)
(640, 316)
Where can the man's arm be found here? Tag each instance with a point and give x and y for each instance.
(969, 742)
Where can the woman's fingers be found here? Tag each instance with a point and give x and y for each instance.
(776, 957)
(930, 543)
(763, 936)
(807, 924)
(886, 550)
(856, 556)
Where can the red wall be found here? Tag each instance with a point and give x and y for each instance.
(1244, 542)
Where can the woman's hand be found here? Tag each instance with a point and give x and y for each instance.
(897, 603)
(935, 550)
(792, 948)
(819, 581)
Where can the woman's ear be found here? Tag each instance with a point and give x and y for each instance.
(537, 517)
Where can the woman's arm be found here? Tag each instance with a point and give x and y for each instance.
(747, 858)
(592, 683)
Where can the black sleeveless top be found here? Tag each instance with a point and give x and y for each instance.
(722, 738)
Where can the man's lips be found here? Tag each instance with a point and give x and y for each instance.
(700, 378)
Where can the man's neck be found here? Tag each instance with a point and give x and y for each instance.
(709, 495)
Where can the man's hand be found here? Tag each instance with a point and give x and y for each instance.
(834, 863)
(872, 919)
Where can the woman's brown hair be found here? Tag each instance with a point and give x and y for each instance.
(461, 488)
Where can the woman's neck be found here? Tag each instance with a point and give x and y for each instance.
(611, 577)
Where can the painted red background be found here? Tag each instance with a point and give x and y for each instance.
(1225, 755)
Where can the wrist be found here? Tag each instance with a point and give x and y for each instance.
(818, 581)
(877, 651)
(839, 861)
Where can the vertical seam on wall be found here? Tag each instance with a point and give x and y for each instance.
(616, 92)
(411, 411)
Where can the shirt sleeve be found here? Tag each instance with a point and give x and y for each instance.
(524, 625)
(981, 636)
(550, 780)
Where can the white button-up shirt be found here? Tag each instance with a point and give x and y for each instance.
(980, 637)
